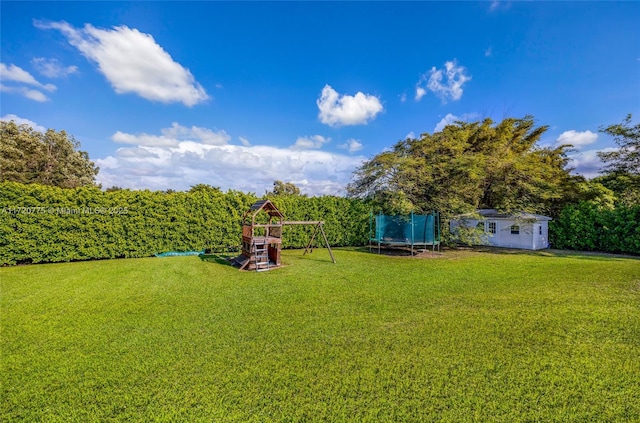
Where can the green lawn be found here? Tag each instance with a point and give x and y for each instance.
(469, 336)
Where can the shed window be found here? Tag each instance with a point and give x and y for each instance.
(515, 230)
(492, 227)
(540, 229)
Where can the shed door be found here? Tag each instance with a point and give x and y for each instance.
(540, 236)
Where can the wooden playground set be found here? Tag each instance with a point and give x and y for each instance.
(262, 242)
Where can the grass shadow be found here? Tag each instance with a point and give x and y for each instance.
(401, 251)
(584, 255)
(217, 258)
(317, 254)
(457, 252)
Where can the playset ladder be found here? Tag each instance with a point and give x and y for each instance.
(260, 254)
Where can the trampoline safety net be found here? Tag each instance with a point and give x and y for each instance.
(411, 230)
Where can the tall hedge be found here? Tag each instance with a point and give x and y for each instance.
(588, 227)
(49, 224)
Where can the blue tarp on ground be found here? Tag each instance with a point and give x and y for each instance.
(179, 253)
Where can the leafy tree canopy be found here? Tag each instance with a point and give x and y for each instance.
(626, 159)
(625, 187)
(621, 173)
(284, 188)
(49, 158)
(204, 188)
(468, 166)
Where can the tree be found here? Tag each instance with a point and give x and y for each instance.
(49, 158)
(284, 188)
(624, 186)
(592, 191)
(468, 166)
(621, 172)
(205, 188)
(626, 159)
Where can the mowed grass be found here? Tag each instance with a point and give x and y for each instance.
(468, 336)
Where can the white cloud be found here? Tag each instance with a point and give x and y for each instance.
(204, 135)
(172, 136)
(315, 141)
(52, 68)
(577, 139)
(144, 139)
(244, 141)
(336, 110)
(22, 82)
(447, 120)
(17, 74)
(133, 62)
(352, 145)
(410, 135)
(456, 76)
(450, 119)
(26, 92)
(587, 163)
(20, 121)
(161, 162)
(488, 52)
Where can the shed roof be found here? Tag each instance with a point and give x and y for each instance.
(494, 214)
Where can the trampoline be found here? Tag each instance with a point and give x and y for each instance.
(414, 231)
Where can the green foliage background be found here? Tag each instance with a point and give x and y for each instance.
(588, 227)
(48, 224)
(40, 224)
(47, 158)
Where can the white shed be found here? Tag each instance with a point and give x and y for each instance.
(516, 230)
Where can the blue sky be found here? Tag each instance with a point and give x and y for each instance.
(238, 94)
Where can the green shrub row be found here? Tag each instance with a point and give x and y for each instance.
(40, 224)
(588, 227)
(48, 224)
